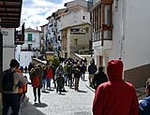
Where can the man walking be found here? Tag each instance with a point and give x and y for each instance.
(91, 69)
(99, 78)
(11, 98)
(115, 97)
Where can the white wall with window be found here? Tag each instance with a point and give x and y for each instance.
(75, 18)
(25, 52)
(32, 41)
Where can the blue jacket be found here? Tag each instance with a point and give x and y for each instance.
(144, 106)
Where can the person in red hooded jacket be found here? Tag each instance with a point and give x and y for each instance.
(117, 96)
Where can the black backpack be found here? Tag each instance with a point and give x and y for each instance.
(8, 80)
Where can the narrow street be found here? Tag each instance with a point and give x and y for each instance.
(67, 103)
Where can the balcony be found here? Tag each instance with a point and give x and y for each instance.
(107, 44)
(102, 23)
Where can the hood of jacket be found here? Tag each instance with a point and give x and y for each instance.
(115, 70)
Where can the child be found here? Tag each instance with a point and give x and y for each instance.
(60, 83)
(144, 105)
(24, 87)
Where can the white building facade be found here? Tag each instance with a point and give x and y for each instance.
(43, 35)
(75, 16)
(30, 48)
(8, 46)
(75, 27)
(125, 35)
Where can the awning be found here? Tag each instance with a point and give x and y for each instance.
(10, 13)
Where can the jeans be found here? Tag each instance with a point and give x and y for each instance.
(44, 83)
(48, 80)
(66, 78)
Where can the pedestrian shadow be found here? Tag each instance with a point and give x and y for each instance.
(82, 91)
(50, 89)
(45, 91)
(62, 94)
(29, 109)
(40, 105)
(64, 91)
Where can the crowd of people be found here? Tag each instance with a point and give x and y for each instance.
(113, 95)
(67, 73)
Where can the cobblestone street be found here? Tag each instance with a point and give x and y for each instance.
(67, 103)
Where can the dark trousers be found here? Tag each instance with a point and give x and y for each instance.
(76, 84)
(13, 101)
(39, 93)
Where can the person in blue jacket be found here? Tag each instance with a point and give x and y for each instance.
(144, 105)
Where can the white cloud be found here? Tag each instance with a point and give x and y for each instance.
(35, 12)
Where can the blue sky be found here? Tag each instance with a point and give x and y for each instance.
(35, 12)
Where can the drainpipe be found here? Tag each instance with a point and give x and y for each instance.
(103, 22)
(1, 50)
(123, 19)
(1, 62)
(123, 22)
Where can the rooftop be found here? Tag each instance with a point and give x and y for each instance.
(10, 12)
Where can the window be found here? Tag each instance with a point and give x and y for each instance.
(29, 37)
(83, 17)
(75, 41)
(87, 29)
(29, 46)
(107, 14)
(102, 22)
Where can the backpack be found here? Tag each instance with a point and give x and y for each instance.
(8, 80)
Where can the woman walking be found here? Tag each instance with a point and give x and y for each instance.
(36, 81)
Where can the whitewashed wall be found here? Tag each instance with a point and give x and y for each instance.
(36, 40)
(137, 33)
(131, 33)
(74, 18)
(25, 58)
(77, 2)
(8, 46)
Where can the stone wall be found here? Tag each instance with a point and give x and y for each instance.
(138, 75)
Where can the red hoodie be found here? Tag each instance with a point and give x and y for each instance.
(115, 97)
